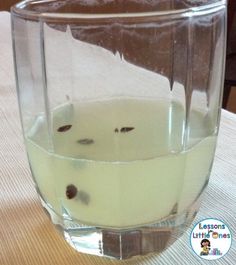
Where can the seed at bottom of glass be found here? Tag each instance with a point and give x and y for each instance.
(83, 197)
(71, 191)
(174, 210)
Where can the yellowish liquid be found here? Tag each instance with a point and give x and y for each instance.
(130, 178)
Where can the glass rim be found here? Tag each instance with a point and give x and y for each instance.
(20, 11)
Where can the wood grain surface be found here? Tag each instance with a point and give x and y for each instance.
(6, 4)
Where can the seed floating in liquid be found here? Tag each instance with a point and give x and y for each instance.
(84, 197)
(71, 191)
(64, 128)
(126, 129)
(86, 141)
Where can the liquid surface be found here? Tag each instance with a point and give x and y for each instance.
(122, 162)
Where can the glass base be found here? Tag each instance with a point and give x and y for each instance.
(123, 243)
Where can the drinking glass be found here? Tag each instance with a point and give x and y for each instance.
(120, 104)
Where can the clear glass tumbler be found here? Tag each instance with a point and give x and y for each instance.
(120, 104)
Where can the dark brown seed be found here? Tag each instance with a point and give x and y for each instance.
(64, 128)
(71, 191)
(126, 129)
(84, 197)
(86, 141)
(116, 130)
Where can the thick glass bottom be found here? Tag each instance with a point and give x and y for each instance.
(123, 243)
